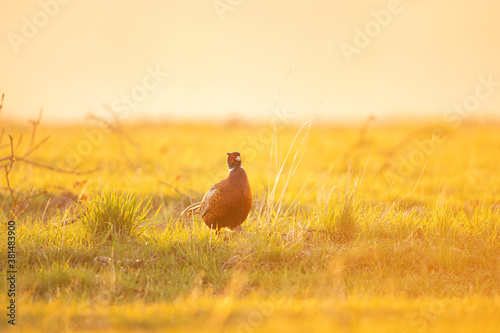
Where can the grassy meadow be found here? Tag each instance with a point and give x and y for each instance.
(367, 228)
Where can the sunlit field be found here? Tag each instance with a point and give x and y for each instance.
(365, 228)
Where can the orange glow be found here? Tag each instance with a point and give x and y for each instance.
(228, 59)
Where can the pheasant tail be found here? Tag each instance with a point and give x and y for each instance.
(194, 209)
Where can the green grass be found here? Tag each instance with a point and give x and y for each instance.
(113, 214)
(338, 247)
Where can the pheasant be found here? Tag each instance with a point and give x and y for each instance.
(228, 202)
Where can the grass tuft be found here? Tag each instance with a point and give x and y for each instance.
(114, 213)
(340, 215)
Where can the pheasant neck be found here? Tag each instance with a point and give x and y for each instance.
(234, 168)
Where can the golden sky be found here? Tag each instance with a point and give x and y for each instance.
(207, 59)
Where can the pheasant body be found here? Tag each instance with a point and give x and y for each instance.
(228, 202)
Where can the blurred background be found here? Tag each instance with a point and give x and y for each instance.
(213, 60)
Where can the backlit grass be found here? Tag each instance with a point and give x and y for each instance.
(358, 235)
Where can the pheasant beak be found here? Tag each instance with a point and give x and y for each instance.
(238, 158)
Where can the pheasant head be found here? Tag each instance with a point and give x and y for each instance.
(233, 160)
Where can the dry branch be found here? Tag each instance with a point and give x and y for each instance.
(21, 202)
(32, 149)
(72, 171)
(175, 188)
(116, 127)
(8, 168)
(35, 126)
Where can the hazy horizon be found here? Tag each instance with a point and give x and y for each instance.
(220, 60)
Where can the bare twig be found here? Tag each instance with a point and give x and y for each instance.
(19, 141)
(122, 135)
(118, 127)
(21, 202)
(35, 125)
(32, 149)
(16, 210)
(400, 145)
(16, 204)
(73, 172)
(175, 188)
(8, 168)
(7, 171)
